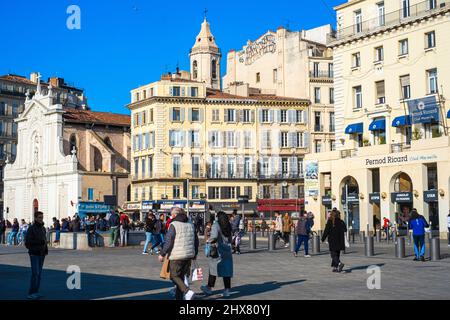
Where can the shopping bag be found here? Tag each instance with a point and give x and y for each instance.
(197, 273)
(347, 244)
(165, 273)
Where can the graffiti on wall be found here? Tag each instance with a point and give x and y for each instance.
(257, 49)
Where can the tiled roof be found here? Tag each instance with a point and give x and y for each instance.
(85, 116)
(18, 79)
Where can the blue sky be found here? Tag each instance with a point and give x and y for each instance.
(123, 44)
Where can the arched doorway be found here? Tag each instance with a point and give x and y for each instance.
(35, 206)
(350, 202)
(402, 198)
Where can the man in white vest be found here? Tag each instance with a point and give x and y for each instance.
(181, 245)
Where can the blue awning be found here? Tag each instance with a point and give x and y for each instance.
(401, 121)
(378, 125)
(354, 128)
(448, 114)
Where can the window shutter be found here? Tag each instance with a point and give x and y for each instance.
(150, 115)
(277, 116)
(183, 138)
(189, 114)
(153, 140)
(305, 116)
(201, 115)
(171, 114)
(293, 192)
(270, 115)
(293, 166)
(290, 140)
(237, 137)
(252, 116)
(210, 142)
(224, 139)
(189, 138)
(380, 89)
(171, 138)
(306, 140)
(226, 115)
(260, 116)
(223, 168)
(238, 191)
(210, 193)
(290, 114)
(182, 114)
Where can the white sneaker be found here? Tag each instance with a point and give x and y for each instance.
(172, 292)
(145, 253)
(206, 290)
(32, 297)
(307, 256)
(189, 295)
(226, 293)
(286, 245)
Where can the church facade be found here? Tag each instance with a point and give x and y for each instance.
(65, 156)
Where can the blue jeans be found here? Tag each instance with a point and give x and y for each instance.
(148, 239)
(37, 262)
(12, 235)
(92, 236)
(419, 245)
(158, 240)
(302, 239)
(57, 233)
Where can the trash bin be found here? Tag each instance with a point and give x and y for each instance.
(400, 247)
(316, 244)
(368, 246)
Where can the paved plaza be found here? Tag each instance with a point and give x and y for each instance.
(124, 273)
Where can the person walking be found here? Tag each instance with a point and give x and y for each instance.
(181, 247)
(287, 228)
(278, 226)
(220, 264)
(12, 237)
(236, 234)
(57, 229)
(335, 230)
(156, 233)
(36, 243)
(149, 223)
(208, 228)
(2, 230)
(114, 223)
(124, 228)
(162, 218)
(417, 224)
(22, 232)
(302, 230)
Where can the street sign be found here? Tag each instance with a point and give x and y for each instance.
(243, 199)
(374, 197)
(430, 196)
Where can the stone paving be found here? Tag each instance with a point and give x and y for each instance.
(124, 273)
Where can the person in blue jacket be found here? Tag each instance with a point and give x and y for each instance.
(417, 224)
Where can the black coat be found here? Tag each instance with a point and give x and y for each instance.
(36, 240)
(335, 235)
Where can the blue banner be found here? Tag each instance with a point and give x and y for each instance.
(424, 110)
(85, 208)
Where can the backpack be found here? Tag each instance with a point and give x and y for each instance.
(125, 224)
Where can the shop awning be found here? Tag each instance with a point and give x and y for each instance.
(378, 125)
(448, 114)
(354, 128)
(401, 121)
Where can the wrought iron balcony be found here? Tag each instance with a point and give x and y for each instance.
(389, 20)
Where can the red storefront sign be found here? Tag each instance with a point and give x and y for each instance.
(282, 205)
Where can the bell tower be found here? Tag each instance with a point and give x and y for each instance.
(205, 58)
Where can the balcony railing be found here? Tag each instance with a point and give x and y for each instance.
(348, 153)
(226, 176)
(321, 74)
(391, 19)
(400, 147)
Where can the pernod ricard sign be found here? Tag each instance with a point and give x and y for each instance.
(404, 159)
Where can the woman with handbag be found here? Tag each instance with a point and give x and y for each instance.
(335, 230)
(219, 254)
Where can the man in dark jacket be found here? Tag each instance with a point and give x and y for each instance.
(76, 224)
(114, 222)
(181, 246)
(57, 229)
(302, 230)
(36, 243)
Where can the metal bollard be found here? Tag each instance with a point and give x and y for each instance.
(378, 234)
(271, 241)
(252, 238)
(400, 247)
(316, 244)
(435, 249)
(292, 239)
(368, 246)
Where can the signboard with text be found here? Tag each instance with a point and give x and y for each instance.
(424, 110)
(312, 178)
(402, 197)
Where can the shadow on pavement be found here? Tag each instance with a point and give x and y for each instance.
(349, 270)
(15, 282)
